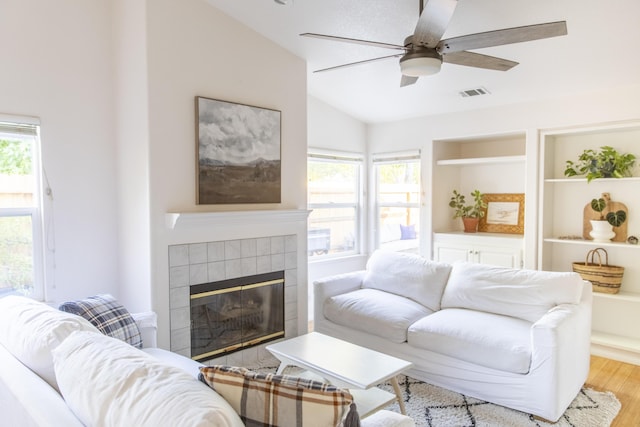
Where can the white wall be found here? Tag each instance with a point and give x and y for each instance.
(561, 112)
(331, 129)
(195, 50)
(132, 145)
(57, 65)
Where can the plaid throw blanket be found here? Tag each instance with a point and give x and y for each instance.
(269, 400)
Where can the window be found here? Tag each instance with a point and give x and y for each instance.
(20, 219)
(397, 202)
(334, 189)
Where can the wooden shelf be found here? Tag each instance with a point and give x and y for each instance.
(480, 161)
(620, 296)
(592, 243)
(616, 341)
(584, 180)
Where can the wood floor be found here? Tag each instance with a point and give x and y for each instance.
(623, 379)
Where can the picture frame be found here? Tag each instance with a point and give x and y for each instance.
(504, 213)
(238, 153)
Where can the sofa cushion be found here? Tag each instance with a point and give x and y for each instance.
(264, 399)
(108, 315)
(376, 312)
(490, 340)
(31, 330)
(407, 275)
(525, 294)
(107, 382)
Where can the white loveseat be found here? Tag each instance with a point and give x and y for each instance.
(57, 369)
(517, 338)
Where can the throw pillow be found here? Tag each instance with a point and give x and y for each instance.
(407, 232)
(108, 315)
(270, 400)
(106, 382)
(525, 294)
(408, 275)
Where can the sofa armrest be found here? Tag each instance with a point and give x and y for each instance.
(564, 322)
(334, 285)
(148, 324)
(561, 348)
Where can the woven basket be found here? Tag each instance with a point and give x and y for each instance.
(604, 278)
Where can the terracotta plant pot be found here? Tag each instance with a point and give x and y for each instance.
(470, 224)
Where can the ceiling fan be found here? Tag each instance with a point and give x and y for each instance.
(424, 52)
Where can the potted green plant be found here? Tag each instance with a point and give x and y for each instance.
(470, 214)
(602, 229)
(605, 163)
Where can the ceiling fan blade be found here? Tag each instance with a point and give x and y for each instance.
(356, 41)
(502, 37)
(433, 21)
(471, 59)
(358, 63)
(407, 80)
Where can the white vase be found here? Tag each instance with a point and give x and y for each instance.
(601, 231)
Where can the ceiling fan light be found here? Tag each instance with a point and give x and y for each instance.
(420, 66)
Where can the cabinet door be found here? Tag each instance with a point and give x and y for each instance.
(503, 257)
(451, 253)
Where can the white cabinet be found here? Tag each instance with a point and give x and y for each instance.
(560, 224)
(483, 248)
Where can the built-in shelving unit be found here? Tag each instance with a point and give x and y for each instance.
(491, 164)
(561, 204)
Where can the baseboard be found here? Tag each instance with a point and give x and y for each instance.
(621, 355)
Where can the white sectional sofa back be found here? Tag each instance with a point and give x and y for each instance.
(57, 369)
(518, 338)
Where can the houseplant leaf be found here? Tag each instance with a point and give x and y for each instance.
(616, 218)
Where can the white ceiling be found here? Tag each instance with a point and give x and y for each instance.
(601, 51)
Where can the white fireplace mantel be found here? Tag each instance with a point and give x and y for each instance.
(177, 219)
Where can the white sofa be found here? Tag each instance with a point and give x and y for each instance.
(517, 338)
(57, 369)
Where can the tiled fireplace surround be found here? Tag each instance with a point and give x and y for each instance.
(209, 261)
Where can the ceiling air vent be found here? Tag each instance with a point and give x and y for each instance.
(474, 92)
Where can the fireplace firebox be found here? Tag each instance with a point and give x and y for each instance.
(235, 314)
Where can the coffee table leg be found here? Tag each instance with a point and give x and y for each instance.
(281, 367)
(396, 388)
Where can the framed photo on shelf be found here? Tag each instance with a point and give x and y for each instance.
(504, 214)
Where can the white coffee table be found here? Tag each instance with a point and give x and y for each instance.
(346, 365)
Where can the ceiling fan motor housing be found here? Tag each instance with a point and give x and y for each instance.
(419, 60)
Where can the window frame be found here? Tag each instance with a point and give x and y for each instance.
(20, 127)
(358, 159)
(376, 206)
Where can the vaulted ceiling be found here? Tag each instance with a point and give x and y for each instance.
(600, 52)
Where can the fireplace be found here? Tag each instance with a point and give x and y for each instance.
(235, 314)
(210, 247)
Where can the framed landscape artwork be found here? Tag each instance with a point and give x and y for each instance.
(238, 150)
(505, 213)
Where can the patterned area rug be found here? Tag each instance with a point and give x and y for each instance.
(433, 406)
